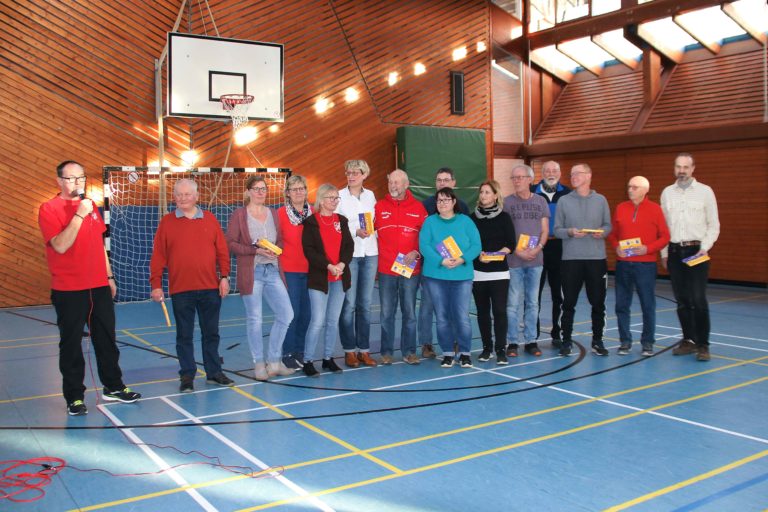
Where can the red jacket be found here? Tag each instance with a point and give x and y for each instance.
(397, 226)
(647, 223)
(190, 249)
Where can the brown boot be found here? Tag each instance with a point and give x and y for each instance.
(427, 352)
(350, 359)
(366, 359)
(684, 348)
(702, 353)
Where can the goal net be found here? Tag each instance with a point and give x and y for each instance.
(136, 198)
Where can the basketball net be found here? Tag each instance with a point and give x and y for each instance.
(237, 106)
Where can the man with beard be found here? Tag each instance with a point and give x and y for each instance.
(551, 190)
(691, 212)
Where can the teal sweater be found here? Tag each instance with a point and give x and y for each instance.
(436, 229)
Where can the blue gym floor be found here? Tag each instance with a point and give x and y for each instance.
(548, 433)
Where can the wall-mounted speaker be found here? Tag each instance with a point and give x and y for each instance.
(457, 92)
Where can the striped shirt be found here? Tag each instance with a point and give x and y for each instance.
(691, 214)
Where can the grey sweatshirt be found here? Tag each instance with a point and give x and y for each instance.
(582, 212)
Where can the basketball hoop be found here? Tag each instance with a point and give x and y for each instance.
(237, 106)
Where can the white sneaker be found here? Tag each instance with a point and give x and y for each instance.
(275, 369)
(260, 371)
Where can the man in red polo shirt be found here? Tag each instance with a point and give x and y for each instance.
(190, 243)
(639, 233)
(82, 289)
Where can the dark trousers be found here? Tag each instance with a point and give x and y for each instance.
(491, 297)
(689, 285)
(207, 304)
(73, 310)
(593, 274)
(553, 254)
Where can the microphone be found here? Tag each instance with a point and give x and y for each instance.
(81, 194)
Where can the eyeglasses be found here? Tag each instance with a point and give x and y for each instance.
(520, 177)
(332, 198)
(445, 200)
(260, 190)
(444, 180)
(353, 174)
(297, 189)
(73, 179)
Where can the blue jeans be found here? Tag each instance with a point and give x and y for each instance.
(207, 304)
(391, 290)
(426, 316)
(326, 309)
(268, 286)
(451, 300)
(523, 295)
(641, 276)
(356, 312)
(296, 282)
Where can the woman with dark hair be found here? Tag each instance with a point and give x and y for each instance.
(258, 277)
(328, 247)
(491, 282)
(294, 267)
(449, 241)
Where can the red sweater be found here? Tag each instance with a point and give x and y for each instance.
(292, 259)
(397, 227)
(190, 250)
(647, 223)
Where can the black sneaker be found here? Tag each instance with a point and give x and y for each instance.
(77, 408)
(565, 348)
(533, 349)
(187, 384)
(447, 362)
(557, 343)
(291, 362)
(310, 370)
(124, 395)
(331, 366)
(220, 379)
(598, 348)
(484, 356)
(647, 351)
(512, 350)
(501, 357)
(624, 350)
(465, 361)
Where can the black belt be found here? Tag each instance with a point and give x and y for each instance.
(688, 243)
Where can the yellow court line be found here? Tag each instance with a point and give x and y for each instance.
(499, 449)
(355, 450)
(686, 483)
(332, 458)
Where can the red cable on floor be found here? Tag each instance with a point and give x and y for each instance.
(15, 481)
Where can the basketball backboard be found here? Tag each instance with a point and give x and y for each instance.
(202, 68)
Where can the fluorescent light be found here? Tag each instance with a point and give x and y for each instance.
(245, 135)
(481, 47)
(459, 53)
(392, 78)
(419, 69)
(351, 95)
(322, 104)
(189, 157)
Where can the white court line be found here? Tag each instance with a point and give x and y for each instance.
(171, 472)
(254, 460)
(340, 395)
(640, 409)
